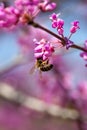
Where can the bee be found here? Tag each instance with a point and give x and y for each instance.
(43, 66)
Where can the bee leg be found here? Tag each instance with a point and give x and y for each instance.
(40, 74)
(47, 61)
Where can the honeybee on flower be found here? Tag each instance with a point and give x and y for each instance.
(42, 52)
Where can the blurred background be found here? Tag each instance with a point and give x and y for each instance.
(59, 99)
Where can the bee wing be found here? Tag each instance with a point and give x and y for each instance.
(32, 70)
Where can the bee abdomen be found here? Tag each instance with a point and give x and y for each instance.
(46, 68)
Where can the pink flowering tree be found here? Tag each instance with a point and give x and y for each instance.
(40, 82)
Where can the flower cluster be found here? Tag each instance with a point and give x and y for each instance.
(23, 11)
(57, 23)
(44, 49)
(84, 54)
(8, 16)
(74, 27)
(43, 5)
(46, 6)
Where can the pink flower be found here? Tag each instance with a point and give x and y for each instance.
(43, 49)
(46, 6)
(60, 31)
(24, 11)
(30, 9)
(57, 23)
(60, 23)
(8, 16)
(75, 26)
(54, 24)
(84, 54)
(85, 45)
(54, 16)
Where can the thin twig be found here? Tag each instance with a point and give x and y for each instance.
(63, 42)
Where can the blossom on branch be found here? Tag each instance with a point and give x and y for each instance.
(75, 26)
(44, 49)
(8, 16)
(47, 6)
(57, 23)
(84, 54)
(23, 11)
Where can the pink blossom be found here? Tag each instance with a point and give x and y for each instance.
(75, 23)
(60, 31)
(21, 2)
(38, 48)
(30, 9)
(85, 45)
(60, 23)
(54, 24)
(46, 6)
(75, 26)
(23, 11)
(84, 54)
(43, 49)
(38, 55)
(73, 29)
(8, 16)
(57, 23)
(54, 16)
